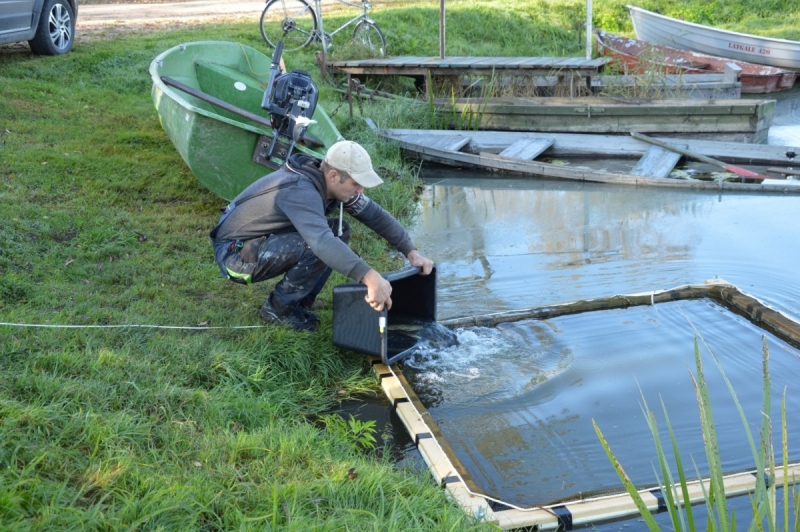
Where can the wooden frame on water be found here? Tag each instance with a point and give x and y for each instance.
(451, 474)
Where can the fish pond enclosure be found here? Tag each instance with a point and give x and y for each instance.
(574, 303)
(510, 432)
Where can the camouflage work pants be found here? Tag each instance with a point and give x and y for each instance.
(287, 254)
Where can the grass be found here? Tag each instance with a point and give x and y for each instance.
(140, 420)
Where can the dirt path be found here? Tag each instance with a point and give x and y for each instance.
(94, 15)
(105, 21)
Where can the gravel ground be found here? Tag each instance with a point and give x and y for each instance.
(106, 21)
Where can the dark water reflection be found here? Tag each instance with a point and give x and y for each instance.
(504, 244)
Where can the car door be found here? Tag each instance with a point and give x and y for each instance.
(15, 16)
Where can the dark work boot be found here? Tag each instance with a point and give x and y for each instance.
(273, 312)
(307, 314)
(305, 306)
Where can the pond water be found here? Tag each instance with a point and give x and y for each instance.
(516, 402)
(503, 244)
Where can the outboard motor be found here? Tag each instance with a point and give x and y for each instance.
(291, 99)
(294, 95)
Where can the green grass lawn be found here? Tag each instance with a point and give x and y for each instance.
(149, 395)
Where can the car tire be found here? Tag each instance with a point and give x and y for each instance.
(55, 33)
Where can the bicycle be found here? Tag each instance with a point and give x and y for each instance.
(300, 23)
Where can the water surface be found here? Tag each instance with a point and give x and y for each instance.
(516, 402)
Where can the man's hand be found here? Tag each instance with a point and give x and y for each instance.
(379, 291)
(416, 259)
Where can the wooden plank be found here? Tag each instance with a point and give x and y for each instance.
(441, 142)
(487, 62)
(657, 162)
(508, 62)
(530, 61)
(527, 149)
(568, 62)
(452, 62)
(404, 62)
(784, 171)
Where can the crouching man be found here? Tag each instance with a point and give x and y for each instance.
(279, 225)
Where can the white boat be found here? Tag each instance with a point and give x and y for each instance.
(659, 29)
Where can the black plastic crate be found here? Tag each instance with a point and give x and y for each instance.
(358, 327)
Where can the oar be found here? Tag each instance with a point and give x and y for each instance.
(744, 172)
(311, 140)
(200, 95)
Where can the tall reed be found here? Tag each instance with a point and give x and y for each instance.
(676, 492)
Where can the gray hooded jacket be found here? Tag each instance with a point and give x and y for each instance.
(294, 198)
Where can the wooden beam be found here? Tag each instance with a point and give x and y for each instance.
(527, 149)
(657, 162)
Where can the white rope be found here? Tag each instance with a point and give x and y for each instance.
(198, 328)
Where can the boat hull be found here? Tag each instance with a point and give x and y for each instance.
(218, 146)
(487, 151)
(660, 29)
(640, 57)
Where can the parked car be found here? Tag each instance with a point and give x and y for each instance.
(47, 25)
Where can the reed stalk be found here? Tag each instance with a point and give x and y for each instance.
(764, 497)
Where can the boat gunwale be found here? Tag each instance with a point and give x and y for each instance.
(714, 29)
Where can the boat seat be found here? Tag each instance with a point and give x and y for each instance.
(527, 149)
(442, 142)
(222, 80)
(657, 162)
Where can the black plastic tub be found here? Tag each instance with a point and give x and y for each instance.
(358, 327)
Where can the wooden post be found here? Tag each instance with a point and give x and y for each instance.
(350, 93)
(428, 83)
(731, 73)
(588, 29)
(441, 29)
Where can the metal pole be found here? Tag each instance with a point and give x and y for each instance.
(588, 29)
(321, 30)
(441, 29)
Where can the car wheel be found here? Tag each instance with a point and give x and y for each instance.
(56, 31)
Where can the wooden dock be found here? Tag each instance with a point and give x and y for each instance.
(730, 120)
(570, 69)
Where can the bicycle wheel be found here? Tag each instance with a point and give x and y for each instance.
(369, 35)
(292, 21)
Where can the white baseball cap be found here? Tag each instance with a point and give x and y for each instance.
(350, 157)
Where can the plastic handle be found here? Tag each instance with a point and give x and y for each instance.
(274, 70)
(276, 56)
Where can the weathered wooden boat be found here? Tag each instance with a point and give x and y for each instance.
(705, 86)
(614, 159)
(209, 99)
(639, 57)
(733, 120)
(660, 29)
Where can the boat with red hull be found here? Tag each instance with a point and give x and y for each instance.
(639, 56)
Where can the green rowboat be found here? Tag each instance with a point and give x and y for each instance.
(208, 96)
